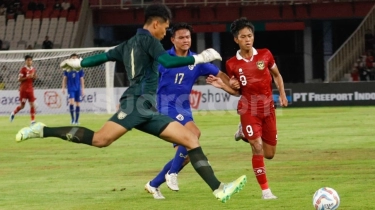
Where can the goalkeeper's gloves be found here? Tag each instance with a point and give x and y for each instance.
(71, 64)
(207, 56)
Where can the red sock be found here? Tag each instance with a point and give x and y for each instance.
(260, 171)
(18, 108)
(32, 113)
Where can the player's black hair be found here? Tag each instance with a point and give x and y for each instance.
(72, 55)
(157, 11)
(28, 56)
(239, 24)
(179, 26)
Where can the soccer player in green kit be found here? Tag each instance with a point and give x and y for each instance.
(141, 55)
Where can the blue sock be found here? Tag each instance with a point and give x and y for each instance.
(178, 160)
(71, 109)
(160, 178)
(77, 113)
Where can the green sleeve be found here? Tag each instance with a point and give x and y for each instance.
(169, 61)
(94, 60)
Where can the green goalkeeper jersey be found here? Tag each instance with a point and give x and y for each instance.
(139, 55)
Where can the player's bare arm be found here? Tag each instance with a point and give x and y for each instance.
(64, 84)
(82, 86)
(21, 79)
(218, 83)
(280, 85)
(166, 60)
(233, 83)
(229, 82)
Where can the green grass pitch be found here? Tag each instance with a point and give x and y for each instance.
(317, 147)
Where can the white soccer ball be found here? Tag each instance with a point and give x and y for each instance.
(326, 199)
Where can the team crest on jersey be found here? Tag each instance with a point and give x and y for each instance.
(260, 65)
(121, 115)
(191, 67)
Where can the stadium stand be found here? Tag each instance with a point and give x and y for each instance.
(29, 27)
(111, 4)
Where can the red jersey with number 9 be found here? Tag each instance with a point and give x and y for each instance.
(26, 85)
(255, 81)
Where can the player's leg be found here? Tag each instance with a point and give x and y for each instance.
(113, 129)
(77, 99)
(23, 98)
(171, 169)
(269, 139)
(239, 134)
(174, 132)
(31, 99)
(109, 133)
(253, 129)
(171, 178)
(269, 135)
(269, 151)
(71, 106)
(181, 157)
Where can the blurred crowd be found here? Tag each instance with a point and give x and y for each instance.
(364, 67)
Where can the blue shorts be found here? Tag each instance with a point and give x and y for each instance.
(76, 95)
(182, 117)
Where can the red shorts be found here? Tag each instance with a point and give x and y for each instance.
(27, 95)
(257, 126)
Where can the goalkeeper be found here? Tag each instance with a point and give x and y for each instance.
(140, 55)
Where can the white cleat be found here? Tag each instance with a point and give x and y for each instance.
(171, 180)
(34, 131)
(154, 191)
(239, 134)
(267, 195)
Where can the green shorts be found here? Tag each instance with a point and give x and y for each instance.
(137, 112)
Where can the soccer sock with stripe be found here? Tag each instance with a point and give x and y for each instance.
(74, 134)
(178, 160)
(77, 113)
(202, 167)
(260, 171)
(160, 178)
(32, 113)
(71, 109)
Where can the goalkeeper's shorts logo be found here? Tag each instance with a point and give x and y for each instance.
(52, 99)
(121, 115)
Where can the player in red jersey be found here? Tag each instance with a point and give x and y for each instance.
(26, 76)
(254, 69)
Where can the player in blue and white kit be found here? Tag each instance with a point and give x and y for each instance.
(175, 85)
(75, 83)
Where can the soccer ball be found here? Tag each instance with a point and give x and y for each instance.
(326, 199)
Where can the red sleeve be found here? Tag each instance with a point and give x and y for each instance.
(22, 73)
(271, 60)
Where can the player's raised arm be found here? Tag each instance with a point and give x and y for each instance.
(205, 56)
(165, 59)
